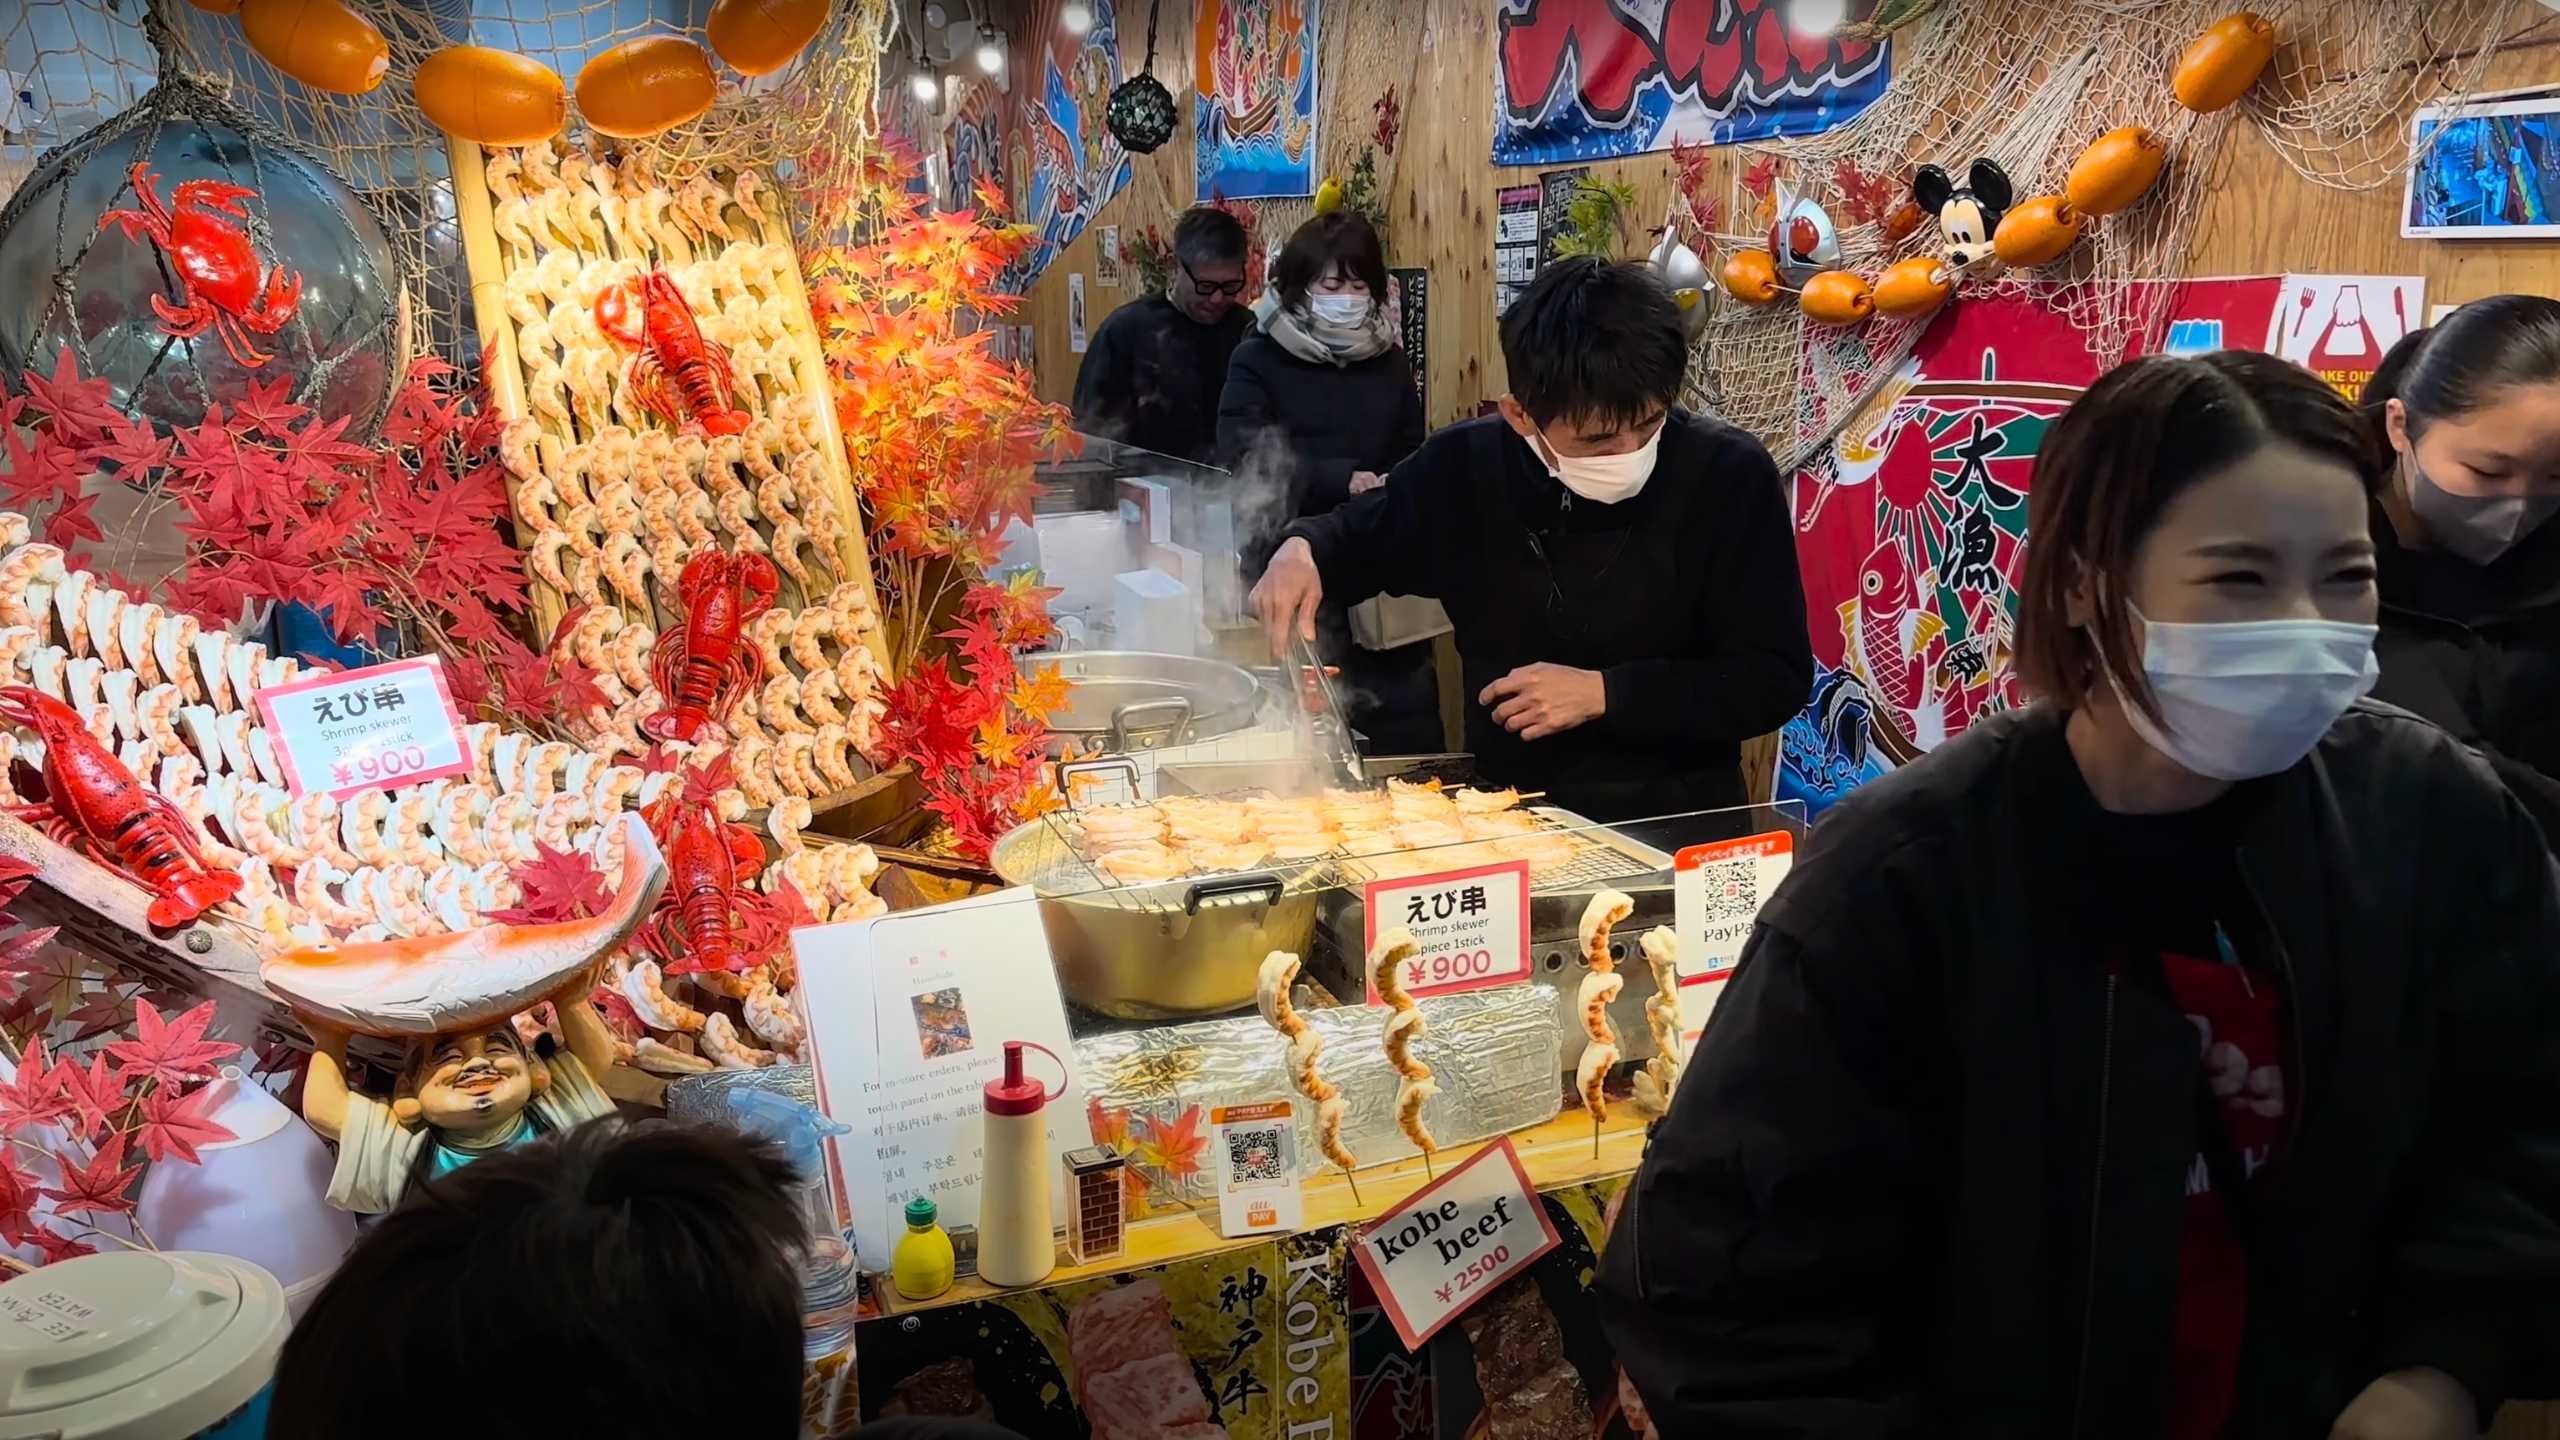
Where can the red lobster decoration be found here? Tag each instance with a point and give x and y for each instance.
(702, 669)
(710, 865)
(677, 374)
(225, 286)
(91, 797)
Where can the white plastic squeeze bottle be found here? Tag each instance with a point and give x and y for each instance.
(1015, 1243)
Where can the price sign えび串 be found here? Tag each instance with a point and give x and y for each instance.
(1472, 926)
(1716, 893)
(368, 729)
(1455, 1241)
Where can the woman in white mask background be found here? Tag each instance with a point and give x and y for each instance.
(1319, 404)
(2170, 1058)
(2463, 525)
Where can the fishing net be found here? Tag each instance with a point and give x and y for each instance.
(72, 64)
(2335, 104)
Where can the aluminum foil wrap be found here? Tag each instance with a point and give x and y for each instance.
(704, 1099)
(1495, 1055)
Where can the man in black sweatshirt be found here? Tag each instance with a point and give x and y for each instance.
(1621, 574)
(1152, 374)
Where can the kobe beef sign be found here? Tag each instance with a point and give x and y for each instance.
(1455, 1241)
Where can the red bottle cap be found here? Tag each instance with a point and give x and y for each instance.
(1015, 1094)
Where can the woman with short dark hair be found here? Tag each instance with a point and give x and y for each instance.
(2469, 558)
(1319, 405)
(2171, 1058)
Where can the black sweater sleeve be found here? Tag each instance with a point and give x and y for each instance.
(2471, 1276)
(1757, 1280)
(1244, 411)
(1755, 667)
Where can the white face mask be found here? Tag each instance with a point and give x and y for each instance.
(1343, 310)
(1604, 479)
(2245, 699)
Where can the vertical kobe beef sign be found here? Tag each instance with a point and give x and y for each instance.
(1587, 79)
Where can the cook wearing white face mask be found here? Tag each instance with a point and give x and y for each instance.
(1619, 573)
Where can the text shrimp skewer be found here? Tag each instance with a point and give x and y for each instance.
(1405, 1026)
(1599, 987)
(1271, 996)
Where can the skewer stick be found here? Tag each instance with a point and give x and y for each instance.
(1595, 1136)
(1426, 1166)
(1355, 1188)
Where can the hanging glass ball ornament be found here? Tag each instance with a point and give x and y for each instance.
(184, 251)
(1140, 114)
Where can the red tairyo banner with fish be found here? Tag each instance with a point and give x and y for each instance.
(1911, 525)
(1588, 79)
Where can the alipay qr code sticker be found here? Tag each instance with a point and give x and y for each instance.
(1716, 894)
(1255, 1148)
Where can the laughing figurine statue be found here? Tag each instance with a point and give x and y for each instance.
(459, 1097)
(469, 1084)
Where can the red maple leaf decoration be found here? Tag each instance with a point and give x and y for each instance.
(58, 1248)
(36, 1097)
(97, 1186)
(176, 1125)
(18, 1197)
(558, 885)
(96, 1092)
(172, 1052)
(76, 410)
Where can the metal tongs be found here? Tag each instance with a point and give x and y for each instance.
(1320, 710)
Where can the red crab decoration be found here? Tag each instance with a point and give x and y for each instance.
(227, 289)
(678, 375)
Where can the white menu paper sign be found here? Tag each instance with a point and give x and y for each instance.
(1455, 1241)
(908, 1015)
(1472, 926)
(1716, 894)
(369, 729)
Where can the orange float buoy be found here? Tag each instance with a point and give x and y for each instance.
(2038, 231)
(1751, 276)
(2117, 169)
(217, 7)
(758, 37)
(496, 97)
(641, 87)
(321, 43)
(1913, 287)
(2221, 64)
(1837, 297)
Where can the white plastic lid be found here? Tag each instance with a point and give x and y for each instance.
(135, 1345)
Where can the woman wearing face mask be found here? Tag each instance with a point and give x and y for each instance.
(1319, 405)
(2171, 1058)
(2470, 561)
(1621, 574)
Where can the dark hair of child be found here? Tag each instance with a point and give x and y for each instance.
(616, 1279)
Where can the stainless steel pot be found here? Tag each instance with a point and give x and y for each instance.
(1173, 950)
(1123, 700)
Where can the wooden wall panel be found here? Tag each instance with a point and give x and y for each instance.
(2259, 217)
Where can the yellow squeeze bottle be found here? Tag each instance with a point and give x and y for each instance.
(921, 1266)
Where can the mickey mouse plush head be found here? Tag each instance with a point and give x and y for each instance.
(1968, 214)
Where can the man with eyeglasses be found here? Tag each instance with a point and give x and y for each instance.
(1152, 375)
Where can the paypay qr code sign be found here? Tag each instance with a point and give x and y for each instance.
(1716, 894)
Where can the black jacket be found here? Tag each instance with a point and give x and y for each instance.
(1925, 1173)
(1320, 422)
(1151, 376)
(1685, 597)
(2476, 649)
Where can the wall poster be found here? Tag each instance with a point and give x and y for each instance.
(1911, 525)
(1061, 159)
(1588, 79)
(1253, 125)
(973, 147)
(1515, 243)
(1555, 195)
(1409, 291)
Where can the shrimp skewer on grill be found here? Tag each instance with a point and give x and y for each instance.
(1271, 996)
(1661, 949)
(1405, 1026)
